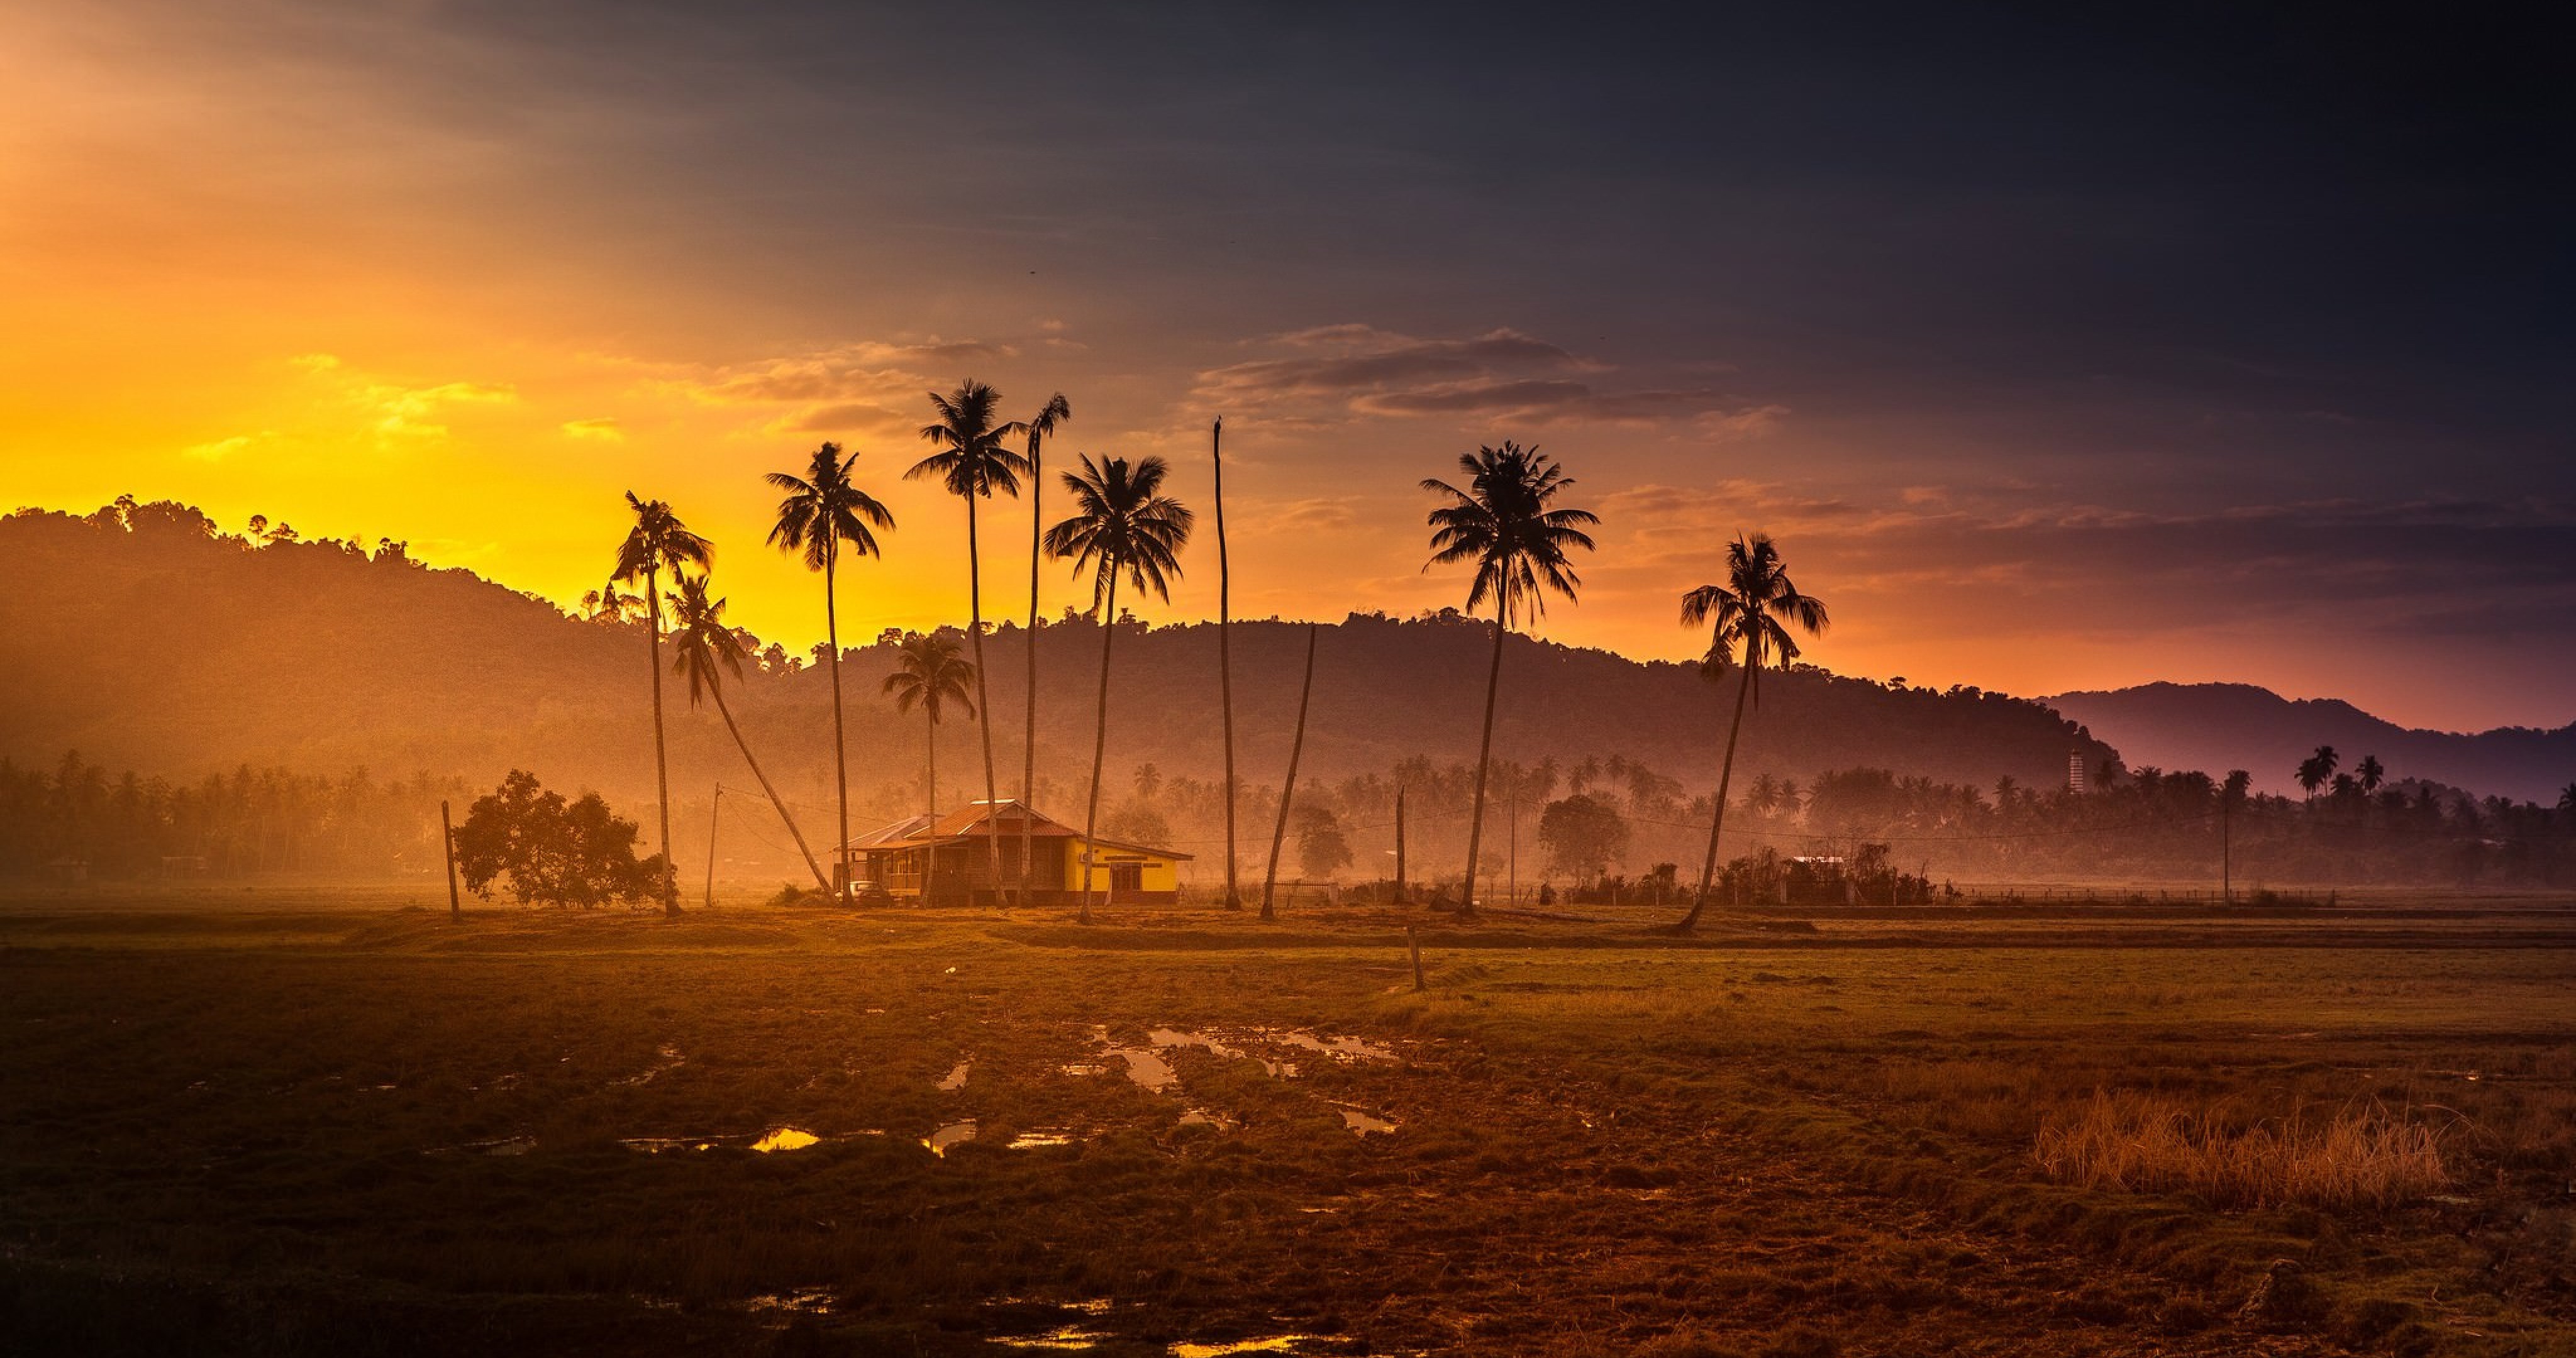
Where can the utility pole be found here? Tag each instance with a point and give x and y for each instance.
(447, 840)
(2226, 849)
(714, 809)
(1512, 888)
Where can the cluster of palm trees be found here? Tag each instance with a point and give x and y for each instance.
(2319, 771)
(1504, 522)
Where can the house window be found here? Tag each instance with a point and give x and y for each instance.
(1126, 876)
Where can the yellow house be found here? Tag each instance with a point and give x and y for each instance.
(945, 860)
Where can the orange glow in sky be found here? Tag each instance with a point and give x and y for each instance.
(381, 275)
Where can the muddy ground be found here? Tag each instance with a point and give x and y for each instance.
(266, 1126)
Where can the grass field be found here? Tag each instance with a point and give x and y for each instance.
(325, 1122)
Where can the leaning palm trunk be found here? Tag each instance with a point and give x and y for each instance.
(1288, 790)
(661, 758)
(1717, 818)
(1485, 756)
(1099, 740)
(839, 884)
(983, 702)
(745, 746)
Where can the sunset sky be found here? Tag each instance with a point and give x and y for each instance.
(2055, 355)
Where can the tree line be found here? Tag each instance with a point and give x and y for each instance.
(78, 821)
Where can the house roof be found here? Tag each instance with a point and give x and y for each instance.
(967, 822)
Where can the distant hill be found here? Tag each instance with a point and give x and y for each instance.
(148, 640)
(2217, 727)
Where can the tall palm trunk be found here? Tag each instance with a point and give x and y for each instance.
(1029, 741)
(839, 884)
(930, 854)
(1485, 755)
(745, 746)
(1725, 776)
(661, 757)
(1288, 790)
(1099, 740)
(1225, 667)
(983, 701)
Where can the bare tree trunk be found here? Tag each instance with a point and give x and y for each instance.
(983, 703)
(1484, 758)
(1099, 743)
(1225, 665)
(1399, 846)
(715, 812)
(661, 757)
(1288, 790)
(839, 884)
(799, 836)
(1717, 814)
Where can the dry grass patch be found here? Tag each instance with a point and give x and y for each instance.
(2146, 1143)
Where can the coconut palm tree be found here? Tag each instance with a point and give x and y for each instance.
(659, 542)
(1041, 427)
(975, 462)
(1753, 611)
(2567, 798)
(704, 651)
(930, 676)
(2317, 769)
(1122, 525)
(1225, 658)
(1502, 522)
(2369, 774)
(823, 515)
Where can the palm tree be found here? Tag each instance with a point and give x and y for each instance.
(1225, 659)
(706, 650)
(1122, 524)
(2567, 798)
(931, 676)
(824, 512)
(2317, 768)
(2370, 773)
(1754, 609)
(975, 461)
(1502, 523)
(1041, 428)
(659, 541)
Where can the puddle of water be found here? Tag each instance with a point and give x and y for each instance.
(666, 1060)
(1201, 1117)
(1174, 1037)
(1150, 1072)
(785, 1139)
(1066, 1337)
(655, 1145)
(1038, 1138)
(1277, 1343)
(956, 1079)
(1361, 1122)
(816, 1301)
(1080, 1069)
(954, 1133)
(1341, 1048)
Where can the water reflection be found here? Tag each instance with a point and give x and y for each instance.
(954, 1133)
(785, 1139)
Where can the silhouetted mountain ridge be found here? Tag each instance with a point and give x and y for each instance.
(148, 640)
(2231, 726)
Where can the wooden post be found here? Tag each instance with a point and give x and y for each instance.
(713, 810)
(447, 840)
(1399, 846)
(1413, 945)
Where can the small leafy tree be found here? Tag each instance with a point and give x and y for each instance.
(1321, 847)
(552, 851)
(1583, 834)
